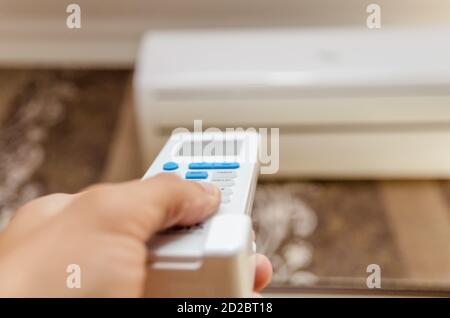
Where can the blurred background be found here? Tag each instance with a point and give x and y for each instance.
(68, 119)
(111, 32)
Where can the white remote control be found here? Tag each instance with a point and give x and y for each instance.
(214, 258)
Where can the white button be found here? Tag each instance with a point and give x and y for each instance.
(220, 179)
(226, 191)
(223, 183)
(226, 199)
(224, 174)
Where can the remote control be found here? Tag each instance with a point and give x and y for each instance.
(214, 258)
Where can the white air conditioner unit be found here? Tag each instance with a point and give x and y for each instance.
(349, 103)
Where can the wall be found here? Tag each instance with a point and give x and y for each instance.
(37, 34)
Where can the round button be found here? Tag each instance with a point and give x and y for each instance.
(169, 166)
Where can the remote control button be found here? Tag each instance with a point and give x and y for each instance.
(200, 165)
(196, 175)
(225, 174)
(225, 199)
(226, 191)
(226, 165)
(224, 184)
(170, 166)
(222, 180)
(213, 165)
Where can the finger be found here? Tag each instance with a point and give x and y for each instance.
(144, 207)
(263, 273)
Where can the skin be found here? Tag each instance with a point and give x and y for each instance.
(103, 229)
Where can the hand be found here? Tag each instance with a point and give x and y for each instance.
(103, 230)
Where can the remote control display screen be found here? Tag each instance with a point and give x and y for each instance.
(210, 148)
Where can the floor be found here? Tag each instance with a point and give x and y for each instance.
(63, 130)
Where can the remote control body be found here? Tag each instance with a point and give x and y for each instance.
(214, 258)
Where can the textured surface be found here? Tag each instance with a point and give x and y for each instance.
(63, 130)
(321, 236)
(55, 132)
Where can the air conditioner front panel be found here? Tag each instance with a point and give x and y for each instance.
(308, 58)
(348, 103)
(410, 154)
(302, 112)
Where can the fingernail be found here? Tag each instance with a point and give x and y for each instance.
(210, 188)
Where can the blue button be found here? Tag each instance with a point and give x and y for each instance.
(196, 175)
(169, 166)
(213, 165)
(226, 165)
(200, 165)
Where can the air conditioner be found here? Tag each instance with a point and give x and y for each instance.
(349, 103)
